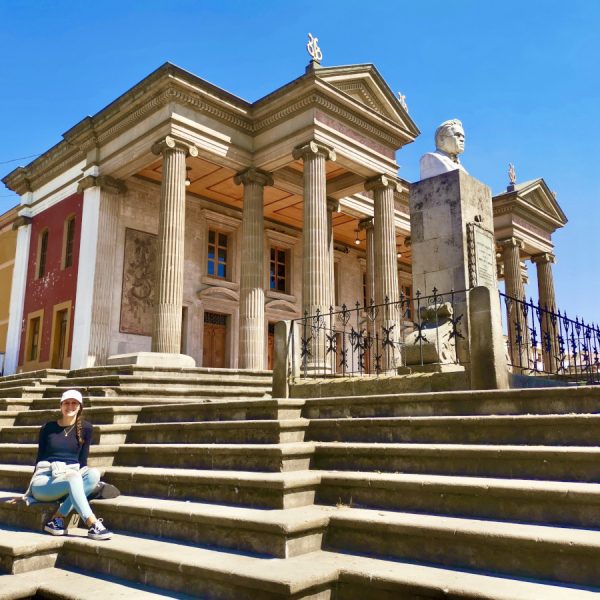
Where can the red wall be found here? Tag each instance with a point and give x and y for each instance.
(58, 285)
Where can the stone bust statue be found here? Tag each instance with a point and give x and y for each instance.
(449, 143)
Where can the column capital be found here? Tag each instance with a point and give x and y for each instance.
(313, 148)
(381, 182)
(543, 258)
(333, 205)
(105, 182)
(21, 221)
(253, 175)
(366, 223)
(170, 144)
(511, 242)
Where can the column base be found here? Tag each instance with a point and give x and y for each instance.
(153, 359)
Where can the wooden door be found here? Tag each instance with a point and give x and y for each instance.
(215, 340)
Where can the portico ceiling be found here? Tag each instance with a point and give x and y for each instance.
(215, 182)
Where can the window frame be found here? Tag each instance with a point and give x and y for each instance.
(68, 242)
(286, 267)
(42, 254)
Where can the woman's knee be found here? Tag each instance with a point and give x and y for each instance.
(92, 476)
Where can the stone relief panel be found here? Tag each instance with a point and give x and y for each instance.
(137, 298)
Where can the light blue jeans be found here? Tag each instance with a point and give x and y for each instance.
(75, 487)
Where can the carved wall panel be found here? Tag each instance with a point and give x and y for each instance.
(139, 265)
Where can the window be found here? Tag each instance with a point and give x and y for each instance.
(217, 254)
(34, 338)
(42, 253)
(69, 237)
(278, 272)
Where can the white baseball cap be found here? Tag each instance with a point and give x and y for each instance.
(72, 395)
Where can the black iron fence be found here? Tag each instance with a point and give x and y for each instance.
(379, 338)
(545, 341)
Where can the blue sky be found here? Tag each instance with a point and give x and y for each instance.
(524, 77)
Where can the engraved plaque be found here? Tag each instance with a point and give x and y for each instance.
(482, 256)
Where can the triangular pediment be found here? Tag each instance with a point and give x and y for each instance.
(364, 84)
(537, 195)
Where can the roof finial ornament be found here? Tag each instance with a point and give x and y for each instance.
(313, 49)
(402, 99)
(512, 177)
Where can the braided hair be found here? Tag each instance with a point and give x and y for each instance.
(79, 426)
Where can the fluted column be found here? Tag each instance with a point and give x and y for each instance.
(332, 206)
(252, 293)
(547, 300)
(386, 266)
(367, 226)
(316, 274)
(513, 283)
(166, 333)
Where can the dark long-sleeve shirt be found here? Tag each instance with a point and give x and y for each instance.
(54, 445)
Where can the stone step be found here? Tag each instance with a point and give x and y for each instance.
(512, 462)
(23, 551)
(269, 458)
(210, 391)
(519, 550)
(543, 502)
(15, 404)
(25, 392)
(237, 488)
(220, 457)
(200, 572)
(159, 381)
(180, 373)
(561, 430)
(319, 575)
(98, 415)
(584, 399)
(71, 585)
(101, 401)
(40, 374)
(25, 454)
(216, 432)
(279, 533)
(223, 410)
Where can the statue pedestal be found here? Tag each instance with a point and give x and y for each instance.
(453, 245)
(159, 360)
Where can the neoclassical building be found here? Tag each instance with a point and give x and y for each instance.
(183, 219)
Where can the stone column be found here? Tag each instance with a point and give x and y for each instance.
(332, 206)
(252, 293)
(95, 281)
(513, 283)
(166, 334)
(547, 300)
(386, 266)
(316, 271)
(17, 295)
(367, 225)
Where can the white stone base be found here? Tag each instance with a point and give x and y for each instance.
(153, 359)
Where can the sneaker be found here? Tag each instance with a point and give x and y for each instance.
(56, 526)
(98, 532)
(104, 491)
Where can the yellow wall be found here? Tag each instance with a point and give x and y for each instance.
(8, 246)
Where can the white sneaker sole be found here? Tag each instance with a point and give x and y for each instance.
(54, 531)
(100, 536)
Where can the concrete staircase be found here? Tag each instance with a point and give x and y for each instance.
(406, 496)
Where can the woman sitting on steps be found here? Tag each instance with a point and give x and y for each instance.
(61, 471)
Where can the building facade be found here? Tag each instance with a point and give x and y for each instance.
(182, 219)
